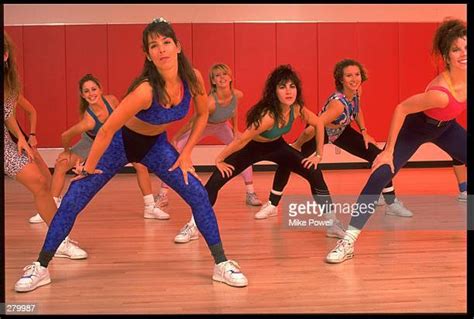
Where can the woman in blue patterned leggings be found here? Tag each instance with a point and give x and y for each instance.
(136, 133)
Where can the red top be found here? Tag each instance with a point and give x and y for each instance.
(451, 111)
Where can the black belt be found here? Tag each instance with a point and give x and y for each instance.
(437, 123)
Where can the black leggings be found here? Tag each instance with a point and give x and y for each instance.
(277, 151)
(351, 141)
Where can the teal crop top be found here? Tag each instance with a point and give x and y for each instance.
(276, 131)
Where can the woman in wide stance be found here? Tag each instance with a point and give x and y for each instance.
(136, 132)
(426, 117)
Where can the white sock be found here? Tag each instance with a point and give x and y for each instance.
(250, 188)
(149, 200)
(164, 191)
(351, 234)
(192, 222)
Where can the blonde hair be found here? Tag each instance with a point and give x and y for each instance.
(219, 67)
(11, 80)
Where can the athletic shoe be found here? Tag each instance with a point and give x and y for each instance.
(344, 250)
(266, 211)
(34, 276)
(229, 272)
(187, 233)
(70, 249)
(397, 209)
(153, 212)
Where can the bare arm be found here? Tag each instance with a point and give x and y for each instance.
(135, 101)
(362, 128)
(84, 125)
(201, 114)
(32, 118)
(414, 104)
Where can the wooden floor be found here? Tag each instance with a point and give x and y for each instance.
(134, 266)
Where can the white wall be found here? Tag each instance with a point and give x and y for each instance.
(34, 14)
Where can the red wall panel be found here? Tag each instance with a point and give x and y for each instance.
(214, 43)
(16, 35)
(336, 41)
(416, 65)
(84, 55)
(45, 80)
(125, 56)
(297, 44)
(378, 52)
(255, 58)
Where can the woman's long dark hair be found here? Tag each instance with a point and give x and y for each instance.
(269, 102)
(151, 74)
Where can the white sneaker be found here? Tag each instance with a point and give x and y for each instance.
(187, 233)
(381, 201)
(336, 230)
(344, 250)
(154, 212)
(397, 209)
(252, 199)
(266, 211)
(462, 196)
(229, 272)
(34, 276)
(36, 219)
(161, 200)
(70, 249)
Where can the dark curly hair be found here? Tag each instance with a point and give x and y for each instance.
(339, 72)
(150, 73)
(448, 32)
(269, 102)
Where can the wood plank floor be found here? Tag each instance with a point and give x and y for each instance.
(135, 267)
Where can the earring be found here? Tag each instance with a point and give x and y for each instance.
(5, 64)
(148, 58)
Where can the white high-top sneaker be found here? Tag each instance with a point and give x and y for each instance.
(70, 249)
(34, 276)
(397, 209)
(344, 250)
(266, 211)
(153, 212)
(187, 233)
(229, 272)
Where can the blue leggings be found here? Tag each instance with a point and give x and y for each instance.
(161, 156)
(415, 131)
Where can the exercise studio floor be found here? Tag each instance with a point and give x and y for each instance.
(407, 266)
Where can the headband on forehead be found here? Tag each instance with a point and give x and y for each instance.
(160, 19)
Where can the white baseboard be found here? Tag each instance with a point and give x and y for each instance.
(205, 154)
